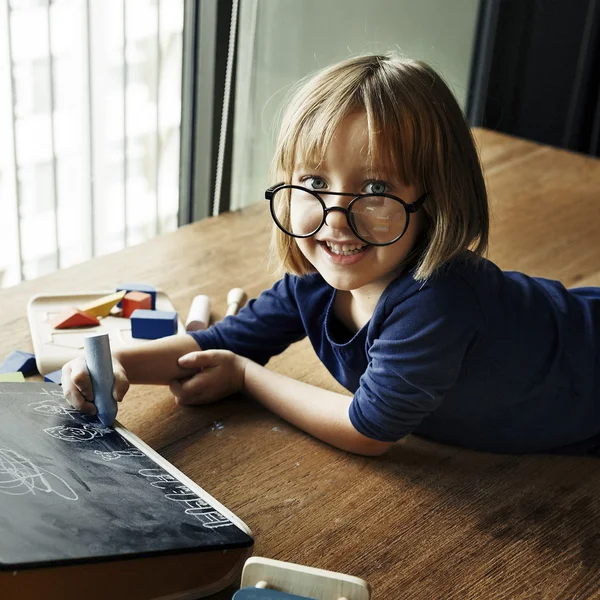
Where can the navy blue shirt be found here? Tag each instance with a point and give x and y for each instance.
(477, 357)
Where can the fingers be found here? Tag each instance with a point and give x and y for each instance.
(197, 360)
(77, 386)
(195, 390)
(121, 385)
(218, 374)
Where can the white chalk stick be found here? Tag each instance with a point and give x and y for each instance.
(99, 364)
(199, 315)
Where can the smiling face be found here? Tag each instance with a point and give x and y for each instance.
(343, 260)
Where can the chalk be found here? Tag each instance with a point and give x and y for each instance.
(235, 300)
(199, 315)
(99, 364)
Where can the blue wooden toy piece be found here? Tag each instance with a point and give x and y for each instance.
(139, 287)
(53, 376)
(253, 593)
(153, 324)
(19, 361)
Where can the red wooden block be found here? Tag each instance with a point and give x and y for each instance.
(73, 318)
(134, 300)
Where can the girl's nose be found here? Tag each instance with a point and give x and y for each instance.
(336, 217)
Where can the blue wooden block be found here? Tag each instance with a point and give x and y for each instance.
(252, 593)
(53, 376)
(139, 287)
(153, 324)
(19, 361)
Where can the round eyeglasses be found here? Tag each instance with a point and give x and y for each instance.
(376, 219)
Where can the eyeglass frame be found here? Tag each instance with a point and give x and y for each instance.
(409, 208)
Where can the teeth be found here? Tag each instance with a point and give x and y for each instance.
(345, 249)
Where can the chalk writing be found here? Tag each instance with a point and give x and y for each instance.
(51, 407)
(18, 476)
(77, 433)
(116, 454)
(178, 492)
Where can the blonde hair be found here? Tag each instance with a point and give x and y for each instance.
(415, 128)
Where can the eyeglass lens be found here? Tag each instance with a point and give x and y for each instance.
(376, 219)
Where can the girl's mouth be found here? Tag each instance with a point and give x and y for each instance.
(345, 249)
(345, 254)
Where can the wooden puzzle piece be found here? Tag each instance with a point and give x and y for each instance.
(54, 376)
(102, 306)
(287, 579)
(199, 315)
(12, 377)
(19, 361)
(73, 318)
(139, 287)
(134, 300)
(236, 298)
(153, 324)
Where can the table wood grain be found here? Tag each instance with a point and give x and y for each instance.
(426, 520)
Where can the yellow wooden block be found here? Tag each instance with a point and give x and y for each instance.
(103, 306)
(12, 377)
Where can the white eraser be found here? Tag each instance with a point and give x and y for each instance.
(199, 315)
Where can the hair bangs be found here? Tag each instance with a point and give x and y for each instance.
(391, 132)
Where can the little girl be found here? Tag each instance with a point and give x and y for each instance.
(381, 220)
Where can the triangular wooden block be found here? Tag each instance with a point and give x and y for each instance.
(73, 318)
(102, 306)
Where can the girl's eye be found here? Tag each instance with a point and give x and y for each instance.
(376, 187)
(314, 183)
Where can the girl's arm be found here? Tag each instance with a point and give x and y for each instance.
(155, 362)
(322, 413)
(319, 412)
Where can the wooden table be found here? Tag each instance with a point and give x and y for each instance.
(426, 520)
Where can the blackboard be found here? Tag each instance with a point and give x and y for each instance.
(73, 490)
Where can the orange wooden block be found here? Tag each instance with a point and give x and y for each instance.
(134, 300)
(73, 318)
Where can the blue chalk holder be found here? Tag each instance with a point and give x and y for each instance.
(99, 364)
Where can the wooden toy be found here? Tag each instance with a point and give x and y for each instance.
(74, 318)
(93, 512)
(267, 579)
(54, 376)
(54, 347)
(199, 315)
(102, 306)
(235, 300)
(153, 324)
(139, 287)
(12, 377)
(134, 300)
(19, 361)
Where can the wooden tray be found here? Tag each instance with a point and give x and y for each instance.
(55, 347)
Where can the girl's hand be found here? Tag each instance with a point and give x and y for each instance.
(77, 385)
(220, 374)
